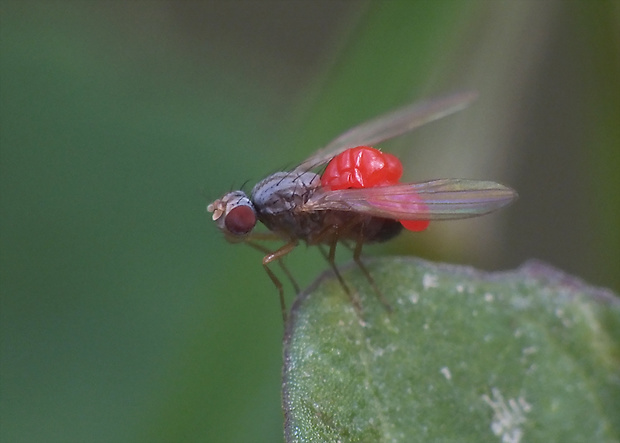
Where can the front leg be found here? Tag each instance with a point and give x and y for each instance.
(277, 255)
(268, 251)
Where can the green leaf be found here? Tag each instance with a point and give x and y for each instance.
(528, 355)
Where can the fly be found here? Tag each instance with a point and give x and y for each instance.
(357, 200)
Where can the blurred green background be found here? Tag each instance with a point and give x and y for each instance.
(125, 316)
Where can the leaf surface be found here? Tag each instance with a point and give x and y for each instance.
(526, 355)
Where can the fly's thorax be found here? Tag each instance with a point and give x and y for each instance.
(234, 214)
(284, 191)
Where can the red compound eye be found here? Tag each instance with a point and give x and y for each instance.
(240, 220)
(366, 167)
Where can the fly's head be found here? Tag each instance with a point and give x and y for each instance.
(234, 215)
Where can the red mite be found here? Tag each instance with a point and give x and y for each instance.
(358, 199)
(366, 167)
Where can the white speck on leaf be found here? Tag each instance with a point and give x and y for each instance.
(446, 372)
(488, 297)
(429, 281)
(507, 416)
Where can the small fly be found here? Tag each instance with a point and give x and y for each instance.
(357, 199)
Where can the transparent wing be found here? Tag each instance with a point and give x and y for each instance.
(444, 199)
(391, 125)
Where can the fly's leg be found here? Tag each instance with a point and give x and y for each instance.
(288, 274)
(277, 255)
(356, 257)
(330, 236)
(331, 259)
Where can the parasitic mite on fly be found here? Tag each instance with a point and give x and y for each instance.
(356, 199)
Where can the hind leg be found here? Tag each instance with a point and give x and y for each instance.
(357, 252)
